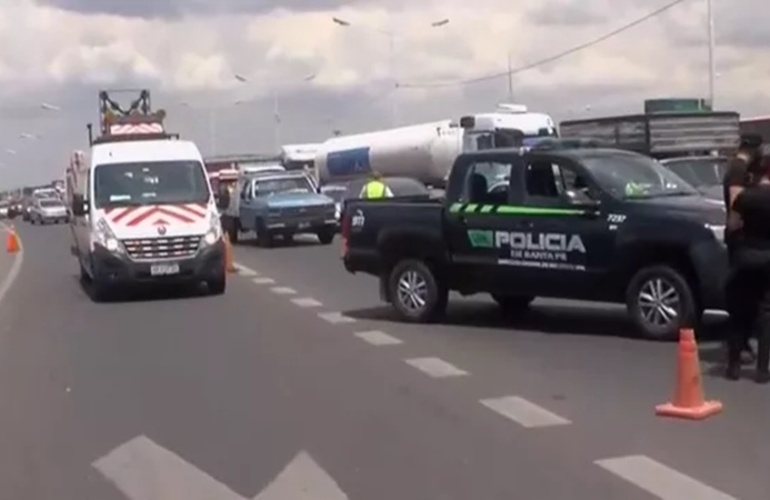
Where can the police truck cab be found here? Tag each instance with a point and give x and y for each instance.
(578, 223)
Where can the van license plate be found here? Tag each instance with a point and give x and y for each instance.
(164, 269)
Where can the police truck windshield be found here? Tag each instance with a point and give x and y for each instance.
(635, 176)
(267, 187)
(150, 183)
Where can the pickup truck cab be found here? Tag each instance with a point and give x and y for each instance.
(282, 204)
(587, 224)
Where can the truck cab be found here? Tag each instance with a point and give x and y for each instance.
(589, 224)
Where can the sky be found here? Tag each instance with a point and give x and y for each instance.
(390, 65)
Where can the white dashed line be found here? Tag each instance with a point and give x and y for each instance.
(523, 412)
(283, 290)
(336, 318)
(378, 338)
(435, 367)
(263, 281)
(306, 302)
(660, 480)
(245, 271)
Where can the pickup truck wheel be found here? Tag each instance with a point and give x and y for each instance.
(416, 293)
(513, 304)
(661, 302)
(264, 238)
(325, 236)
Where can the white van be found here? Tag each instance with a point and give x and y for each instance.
(143, 212)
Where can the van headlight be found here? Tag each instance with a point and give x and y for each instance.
(104, 237)
(214, 233)
(718, 231)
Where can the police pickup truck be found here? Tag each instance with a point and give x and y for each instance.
(583, 223)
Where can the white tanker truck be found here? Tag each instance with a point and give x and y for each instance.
(427, 151)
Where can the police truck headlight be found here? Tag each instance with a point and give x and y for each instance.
(214, 233)
(104, 237)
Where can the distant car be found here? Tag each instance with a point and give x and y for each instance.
(5, 210)
(48, 210)
(704, 173)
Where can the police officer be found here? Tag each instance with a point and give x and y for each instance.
(751, 260)
(740, 293)
(376, 188)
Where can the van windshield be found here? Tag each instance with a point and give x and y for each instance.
(150, 183)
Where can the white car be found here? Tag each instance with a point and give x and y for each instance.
(48, 210)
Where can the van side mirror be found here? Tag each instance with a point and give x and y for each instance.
(79, 207)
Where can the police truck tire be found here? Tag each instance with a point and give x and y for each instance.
(416, 293)
(661, 285)
(513, 304)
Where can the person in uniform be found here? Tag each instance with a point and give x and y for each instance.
(376, 188)
(751, 259)
(742, 172)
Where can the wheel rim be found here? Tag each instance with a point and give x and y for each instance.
(659, 302)
(412, 291)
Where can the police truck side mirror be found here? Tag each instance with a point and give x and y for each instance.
(79, 207)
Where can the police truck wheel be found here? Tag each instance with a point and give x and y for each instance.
(661, 302)
(325, 236)
(513, 304)
(416, 293)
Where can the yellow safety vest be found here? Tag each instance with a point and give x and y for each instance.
(375, 189)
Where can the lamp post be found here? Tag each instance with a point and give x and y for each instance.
(391, 35)
(712, 47)
(276, 106)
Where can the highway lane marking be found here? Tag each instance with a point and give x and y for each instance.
(435, 367)
(13, 273)
(336, 318)
(245, 271)
(283, 290)
(523, 412)
(306, 302)
(660, 480)
(263, 281)
(378, 338)
(143, 470)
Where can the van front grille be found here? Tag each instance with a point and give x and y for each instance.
(162, 248)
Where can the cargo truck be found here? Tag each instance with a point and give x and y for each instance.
(427, 151)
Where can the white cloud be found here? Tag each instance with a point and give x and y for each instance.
(45, 51)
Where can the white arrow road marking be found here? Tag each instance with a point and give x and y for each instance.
(144, 470)
(302, 479)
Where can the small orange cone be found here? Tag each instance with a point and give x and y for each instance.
(688, 402)
(229, 265)
(12, 242)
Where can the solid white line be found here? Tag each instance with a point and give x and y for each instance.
(245, 271)
(435, 367)
(263, 281)
(283, 290)
(307, 302)
(523, 412)
(336, 318)
(660, 480)
(378, 338)
(13, 273)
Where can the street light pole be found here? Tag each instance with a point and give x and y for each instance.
(393, 64)
(712, 47)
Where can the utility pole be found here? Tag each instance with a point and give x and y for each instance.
(712, 47)
(510, 79)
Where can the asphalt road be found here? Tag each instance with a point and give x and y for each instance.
(105, 401)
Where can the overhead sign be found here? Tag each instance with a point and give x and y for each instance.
(144, 470)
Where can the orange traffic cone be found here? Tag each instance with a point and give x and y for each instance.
(12, 242)
(688, 401)
(229, 265)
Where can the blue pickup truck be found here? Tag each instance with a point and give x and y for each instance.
(280, 204)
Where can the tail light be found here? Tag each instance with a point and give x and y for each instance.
(344, 231)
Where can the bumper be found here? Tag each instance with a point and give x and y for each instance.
(54, 219)
(302, 226)
(712, 267)
(207, 265)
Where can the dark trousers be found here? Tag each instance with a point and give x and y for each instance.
(748, 303)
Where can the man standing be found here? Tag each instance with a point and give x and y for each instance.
(376, 188)
(740, 290)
